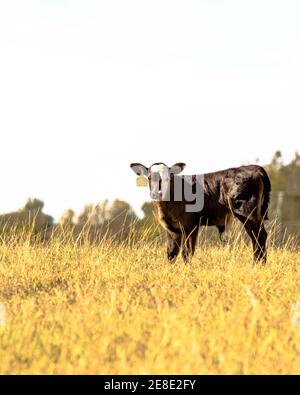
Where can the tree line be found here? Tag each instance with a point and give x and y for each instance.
(117, 219)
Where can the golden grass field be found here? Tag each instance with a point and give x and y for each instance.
(124, 310)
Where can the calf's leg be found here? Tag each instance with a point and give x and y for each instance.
(189, 245)
(221, 229)
(173, 245)
(258, 235)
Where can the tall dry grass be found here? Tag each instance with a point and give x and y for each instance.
(72, 307)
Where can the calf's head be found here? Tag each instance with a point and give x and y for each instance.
(159, 177)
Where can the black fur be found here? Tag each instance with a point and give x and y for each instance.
(242, 192)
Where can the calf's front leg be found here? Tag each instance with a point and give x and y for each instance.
(189, 245)
(173, 245)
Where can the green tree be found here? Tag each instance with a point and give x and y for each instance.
(34, 204)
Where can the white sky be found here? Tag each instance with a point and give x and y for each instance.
(87, 87)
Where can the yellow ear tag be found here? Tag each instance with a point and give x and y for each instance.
(141, 181)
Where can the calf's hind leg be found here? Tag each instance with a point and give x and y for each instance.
(258, 235)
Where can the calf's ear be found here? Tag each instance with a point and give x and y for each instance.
(177, 168)
(139, 169)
